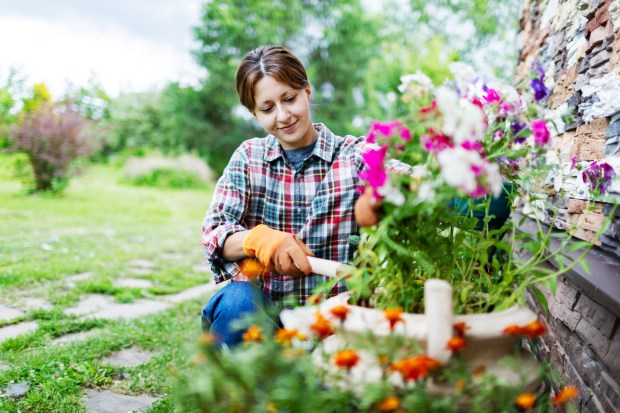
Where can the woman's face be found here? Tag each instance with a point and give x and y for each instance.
(284, 112)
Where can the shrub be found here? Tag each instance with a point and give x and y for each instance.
(53, 136)
(186, 171)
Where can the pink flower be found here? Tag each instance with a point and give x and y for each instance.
(491, 96)
(540, 132)
(435, 142)
(374, 173)
(505, 108)
(387, 129)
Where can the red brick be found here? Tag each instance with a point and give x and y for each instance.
(597, 315)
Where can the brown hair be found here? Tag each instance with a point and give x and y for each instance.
(275, 61)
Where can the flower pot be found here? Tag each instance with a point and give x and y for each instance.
(487, 343)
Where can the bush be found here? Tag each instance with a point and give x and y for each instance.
(53, 136)
(186, 171)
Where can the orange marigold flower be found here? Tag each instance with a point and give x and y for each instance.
(460, 327)
(253, 333)
(413, 368)
(252, 268)
(315, 299)
(340, 312)
(388, 404)
(207, 339)
(393, 315)
(460, 384)
(534, 329)
(567, 393)
(383, 359)
(456, 344)
(285, 337)
(346, 359)
(513, 330)
(322, 326)
(478, 370)
(525, 401)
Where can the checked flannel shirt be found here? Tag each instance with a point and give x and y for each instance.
(259, 186)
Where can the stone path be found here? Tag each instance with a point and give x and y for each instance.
(109, 402)
(101, 306)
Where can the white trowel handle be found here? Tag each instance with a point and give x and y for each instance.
(333, 269)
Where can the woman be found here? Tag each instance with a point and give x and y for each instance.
(281, 198)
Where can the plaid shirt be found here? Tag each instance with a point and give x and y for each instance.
(259, 186)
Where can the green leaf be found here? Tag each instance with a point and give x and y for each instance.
(586, 266)
(553, 284)
(578, 245)
(540, 297)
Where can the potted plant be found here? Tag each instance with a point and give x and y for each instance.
(443, 318)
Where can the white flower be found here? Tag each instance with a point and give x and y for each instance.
(391, 193)
(464, 75)
(426, 192)
(468, 171)
(456, 168)
(462, 120)
(418, 79)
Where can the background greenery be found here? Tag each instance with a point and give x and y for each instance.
(355, 55)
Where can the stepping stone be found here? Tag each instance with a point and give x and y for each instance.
(71, 281)
(33, 303)
(141, 271)
(17, 330)
(142, 263)
(8, 313)
(172, 256)
(191, 293)
(109, 402)
(133, 283)
(128, 311)
(129, 357)
(90, 304)
(70, 338)
(15, 390)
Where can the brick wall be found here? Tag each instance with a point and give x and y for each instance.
(578, 44)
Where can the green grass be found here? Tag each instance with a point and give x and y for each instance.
(98, 225)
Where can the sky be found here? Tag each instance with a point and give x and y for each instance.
(124, 45)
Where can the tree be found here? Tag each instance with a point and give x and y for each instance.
(231, 28)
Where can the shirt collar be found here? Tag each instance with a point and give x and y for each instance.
(324, 147)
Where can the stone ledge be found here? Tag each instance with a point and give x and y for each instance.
(602, 284)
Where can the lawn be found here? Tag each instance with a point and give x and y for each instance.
(102, 231)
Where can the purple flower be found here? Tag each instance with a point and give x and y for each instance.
(540, 131)
(537, 67)
(598, 175)
(540, 90)
(573, 162)
(517, 127)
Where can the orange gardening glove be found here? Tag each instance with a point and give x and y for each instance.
(366, 208)
(278, 251)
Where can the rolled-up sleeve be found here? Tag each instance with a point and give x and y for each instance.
(225, 214)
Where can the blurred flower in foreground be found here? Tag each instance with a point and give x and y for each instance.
(347, 359)
(253, 333)
(525, 401)
(567, 393)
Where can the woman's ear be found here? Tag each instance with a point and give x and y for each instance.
(308, 92)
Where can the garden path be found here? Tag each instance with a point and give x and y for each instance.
(103, 307)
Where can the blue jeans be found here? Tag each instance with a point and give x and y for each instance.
(228, 306)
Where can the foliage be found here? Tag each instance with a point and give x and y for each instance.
(475, 147)
(53, 136)
(183, 172)
(276, 372)
(10, 93)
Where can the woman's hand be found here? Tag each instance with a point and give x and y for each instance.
(366, 208)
